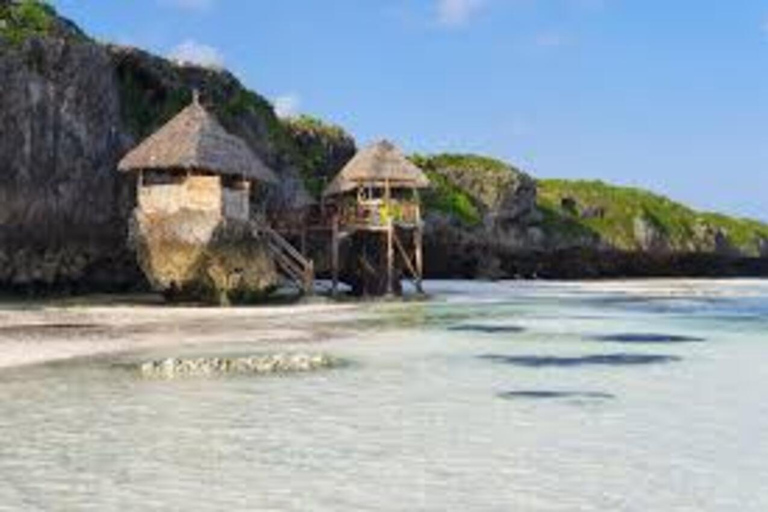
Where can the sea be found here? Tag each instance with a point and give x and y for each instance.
(508, 396)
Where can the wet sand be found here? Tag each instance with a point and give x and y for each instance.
(35, 333)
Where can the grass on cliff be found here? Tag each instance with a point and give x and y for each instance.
(485, 180)
(314, 139)
(611, 212)
(444, 196)
(305, 123)
(19, 21)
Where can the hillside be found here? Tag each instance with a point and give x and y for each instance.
(489, 218)
(631, 219)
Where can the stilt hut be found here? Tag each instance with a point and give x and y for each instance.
(191, 224)
(374, 201)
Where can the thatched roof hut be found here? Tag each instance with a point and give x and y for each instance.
(377, 165)
(194, 140)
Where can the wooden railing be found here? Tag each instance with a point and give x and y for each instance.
(379, 213)
(291, 263)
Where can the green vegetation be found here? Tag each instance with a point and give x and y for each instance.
(24, 19)
(612, 212)
(244, 103)
(741, 232)
(321, 148)
(445, 196)
(484, 179)
(309, 124)
(473, 163)
(146, 109)
(583, 213)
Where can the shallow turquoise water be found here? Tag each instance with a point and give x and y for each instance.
(616, 396)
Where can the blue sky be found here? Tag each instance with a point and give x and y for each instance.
(670, 95)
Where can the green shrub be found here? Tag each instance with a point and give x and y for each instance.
(21, 20)
(445, 197)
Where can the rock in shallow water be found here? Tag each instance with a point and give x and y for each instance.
(209, 366)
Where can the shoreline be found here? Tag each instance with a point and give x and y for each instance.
(42, 331)
(46, 333)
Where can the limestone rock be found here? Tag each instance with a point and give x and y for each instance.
(200, 256)
(648, 236)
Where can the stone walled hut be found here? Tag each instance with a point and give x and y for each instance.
(191, 225)
(193, 163)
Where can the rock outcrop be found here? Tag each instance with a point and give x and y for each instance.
(489, 220)
(199, 256)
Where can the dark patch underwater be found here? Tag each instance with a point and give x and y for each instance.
(574, 362)
(555, 395)
(641, 338)
(487, 329)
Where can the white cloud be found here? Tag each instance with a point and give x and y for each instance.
(456, 12)
(190, 5)
(192, 52)
(287, 105)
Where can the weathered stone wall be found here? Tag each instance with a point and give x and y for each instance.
(202, 193)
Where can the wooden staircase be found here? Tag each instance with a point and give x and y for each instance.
(300, 271)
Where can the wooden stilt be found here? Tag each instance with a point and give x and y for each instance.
(418, 244)
(390, 258)
(335, 256)
(304, 239)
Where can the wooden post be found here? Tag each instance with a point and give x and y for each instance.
(335, 255)
(418, 243)
(390, 257)
(310, 279)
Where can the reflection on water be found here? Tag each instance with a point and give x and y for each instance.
(419, 422)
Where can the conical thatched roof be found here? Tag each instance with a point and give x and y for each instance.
(195, 140)
(378, 164)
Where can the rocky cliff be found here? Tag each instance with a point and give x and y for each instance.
(62, 207)
(488, 219)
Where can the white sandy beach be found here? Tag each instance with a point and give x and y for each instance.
(34, 333)
(37, 333)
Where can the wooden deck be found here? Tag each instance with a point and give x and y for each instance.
(399, 222)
